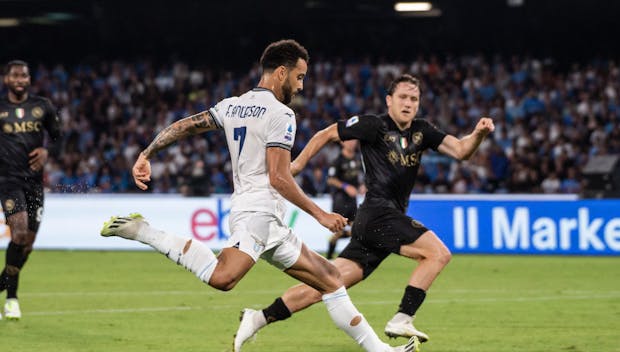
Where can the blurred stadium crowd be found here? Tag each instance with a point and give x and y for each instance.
(549, 120)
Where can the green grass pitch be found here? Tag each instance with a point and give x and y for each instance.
(139, 301)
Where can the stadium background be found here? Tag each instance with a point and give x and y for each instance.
(547, 74)
(546, 71)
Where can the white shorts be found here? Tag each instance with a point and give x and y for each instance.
(263, 235)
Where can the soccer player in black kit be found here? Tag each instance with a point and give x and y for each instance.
(392, 146)
(23, 119)
(344, 176)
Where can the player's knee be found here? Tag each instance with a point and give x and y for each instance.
(223, 281)
(332, 280)
(12, 270)
(19, 236)
(444, 256)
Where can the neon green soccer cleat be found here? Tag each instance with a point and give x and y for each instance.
(413, 345)
(124, 226)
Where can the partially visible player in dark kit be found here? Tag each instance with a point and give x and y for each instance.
(344, 176)
(23, 152)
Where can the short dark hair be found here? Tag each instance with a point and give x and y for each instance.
(12, 63)
(403, 78)
(284, 52)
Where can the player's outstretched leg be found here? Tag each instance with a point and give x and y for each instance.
(401, 325)
(192, 255)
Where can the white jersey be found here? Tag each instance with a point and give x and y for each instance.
(252, 122)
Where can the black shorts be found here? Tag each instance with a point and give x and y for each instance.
(345, 206)
(377, 232)
(16, 197)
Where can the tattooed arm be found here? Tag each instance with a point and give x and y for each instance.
(188, 126)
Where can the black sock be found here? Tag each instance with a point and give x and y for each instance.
(412, 300)
(12, 282)
(15, 260)
(276, 311)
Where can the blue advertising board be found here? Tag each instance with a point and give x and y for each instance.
(523, 226)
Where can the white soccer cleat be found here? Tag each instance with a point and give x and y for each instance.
(124, 226)
(11, 309)
(247, 328)
(404, 328)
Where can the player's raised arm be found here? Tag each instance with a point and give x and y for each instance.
(199, 123)
(464, 148)
(316, 143)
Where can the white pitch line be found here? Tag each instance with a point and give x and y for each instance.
(357, 301)
(114, 310)
(275, 291)
(115, 293)
(499, 300)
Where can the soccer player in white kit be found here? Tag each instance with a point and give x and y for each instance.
(260, 131)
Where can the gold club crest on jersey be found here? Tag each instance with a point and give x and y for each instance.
(19, 112)
(37, 112)
(416, 138)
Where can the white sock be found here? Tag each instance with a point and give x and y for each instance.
(401, 318)
(192, 255)
(259, 319)
(349, 319)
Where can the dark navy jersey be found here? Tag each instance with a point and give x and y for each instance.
(347, 171)
(391, 157)
(21, 131)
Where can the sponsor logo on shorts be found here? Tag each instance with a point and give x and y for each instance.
(258, 247)
(9, 204)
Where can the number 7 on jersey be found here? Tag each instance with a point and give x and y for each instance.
(239, 135)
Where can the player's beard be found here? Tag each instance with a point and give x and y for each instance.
(287, 93)
(19, 94)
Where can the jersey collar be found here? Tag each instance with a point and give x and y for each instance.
(261, 89)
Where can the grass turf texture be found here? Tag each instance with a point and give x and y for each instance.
(139, 301)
